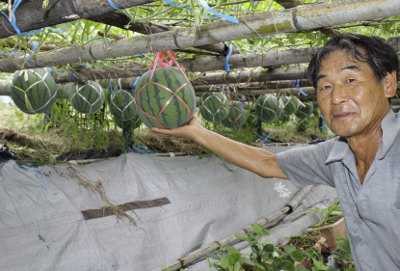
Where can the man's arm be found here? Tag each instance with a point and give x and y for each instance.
(257, 160)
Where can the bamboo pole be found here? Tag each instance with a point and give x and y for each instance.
(250, 76)
(30, 15)
(270, 58)
(202, 252)
(299, 19)
(121, 20)
(203, 64)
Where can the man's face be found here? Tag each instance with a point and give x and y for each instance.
(349, 96)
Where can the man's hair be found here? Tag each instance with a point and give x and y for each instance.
(374, 51)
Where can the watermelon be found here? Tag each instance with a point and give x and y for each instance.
(236, 116)
(251, 119)
(214, 106)
(267, 108)
(301, 124)
(165, 98)
(122, 105)
(290, 104)
(305, 110)
(33, 91)
(86, 97)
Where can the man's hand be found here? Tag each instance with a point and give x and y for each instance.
(187, 131)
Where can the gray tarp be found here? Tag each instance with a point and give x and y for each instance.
(42, 227)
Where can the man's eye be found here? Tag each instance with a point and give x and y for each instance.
(325, 87)
(350, 80)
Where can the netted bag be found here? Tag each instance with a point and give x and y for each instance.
(122, 105)
(267, 108)
(33, 91)
(165, 97)
(290, 104)
(236, 116)
(87, 97)
(214, 106)
(305, 110)
(301, 124)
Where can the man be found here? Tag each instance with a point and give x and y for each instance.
(355, 76)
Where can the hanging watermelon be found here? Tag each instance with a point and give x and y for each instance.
(290, 104)
(33, 91)
(305, 110)
(214, 106)
(165, 97)
(251, 119)
(122, 105)
(87, 97)
(236, 116)
(301, 124)
(267, 108)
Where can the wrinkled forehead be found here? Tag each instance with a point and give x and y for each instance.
(342, 57)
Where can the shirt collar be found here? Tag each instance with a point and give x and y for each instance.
(390, 129)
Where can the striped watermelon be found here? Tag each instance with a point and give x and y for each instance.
(301, 124)
(305, 110)
(267, 108)
(251, 119)
(86, 97)
(33, 91)
(165, 98)
(214, 106)
(122, 105)
(290, 104)
(236, 116)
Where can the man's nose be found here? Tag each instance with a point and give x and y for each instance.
(339, 94)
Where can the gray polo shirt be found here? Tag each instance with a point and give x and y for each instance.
(371, 210)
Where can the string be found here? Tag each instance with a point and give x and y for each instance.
(38, 170)
(299, 88)
(112, 5)
(223, 16)
(191, 10)
(227, 66)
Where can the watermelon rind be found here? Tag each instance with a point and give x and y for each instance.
(33, 91)
(267, 107)
(214, 106)
(87, 97)
(165, 98)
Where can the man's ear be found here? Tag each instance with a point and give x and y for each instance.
(390, 84)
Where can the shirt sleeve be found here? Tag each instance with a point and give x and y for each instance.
(306, 165)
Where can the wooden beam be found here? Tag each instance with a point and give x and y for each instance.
(301, 18)
(30, 15)
(121, 20)
(203, 64)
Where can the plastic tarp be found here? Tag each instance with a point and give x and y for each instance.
(42, 226)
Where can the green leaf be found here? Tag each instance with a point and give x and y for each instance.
(259, 230)
(297, 255)
(301, 268)
(286, 265)
(269, 248)
(319, 265)
(245, 237)
(289, 249)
